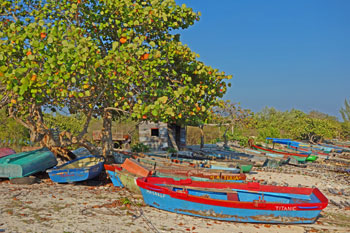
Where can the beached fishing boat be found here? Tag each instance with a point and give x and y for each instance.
(279, 152)
(297, 156)
(299, 146)
(315, 152)
(241, 202)
(79, 169)
(121, 156)
(280, 157)
(125, 175)
(200, 175)
(26, 163)
(121, 177)
(227, 165)
(110, 170)
(6, 151)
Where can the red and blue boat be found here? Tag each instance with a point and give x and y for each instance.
(240, 202)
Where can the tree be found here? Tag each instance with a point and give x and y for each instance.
(229, 115)
(345, 112)
(322, 116)
(296, 124)
(102, 58)
(11, 131)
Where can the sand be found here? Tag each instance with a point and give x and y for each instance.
(97, 206)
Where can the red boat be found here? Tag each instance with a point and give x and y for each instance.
(6, 151)
(279, 152)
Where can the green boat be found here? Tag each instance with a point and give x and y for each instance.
(128, 180)
(300, 159)
(26, 163)
(311, 158)
(245, 168)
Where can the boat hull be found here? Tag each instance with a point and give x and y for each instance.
(69, 172)
(115, 179)
(6, 151)
(184, 202)
(128, 180)
(26, 163)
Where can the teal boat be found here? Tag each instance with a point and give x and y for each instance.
(26, 163)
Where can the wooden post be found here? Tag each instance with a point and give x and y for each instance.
(171, 137)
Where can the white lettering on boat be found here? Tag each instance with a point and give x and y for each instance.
(291, 208)
(155, 193)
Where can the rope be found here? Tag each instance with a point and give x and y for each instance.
(142, 214)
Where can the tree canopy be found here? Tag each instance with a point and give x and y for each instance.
(101, 58)
(345, 111)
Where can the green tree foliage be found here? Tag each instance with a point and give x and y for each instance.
(232, 116)
(73, 123)
(345, 112)
(345, 130)
(102, 58)
(296, 124)
(11, 132)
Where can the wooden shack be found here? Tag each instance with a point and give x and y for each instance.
(120, 139)
(156, 135)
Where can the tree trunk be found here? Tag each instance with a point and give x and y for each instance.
(202, 135)
(225, 137)
(56, 141)
(107, 142)
(172, 139)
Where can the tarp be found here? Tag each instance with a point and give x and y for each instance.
(288, 142)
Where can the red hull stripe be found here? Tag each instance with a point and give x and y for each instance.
(279, 152)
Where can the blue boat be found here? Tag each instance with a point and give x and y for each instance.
(26, 163)
(115, 179)
(241, 202)
(112, 174)
(79, 169)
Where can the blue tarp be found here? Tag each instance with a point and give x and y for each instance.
(284, 141)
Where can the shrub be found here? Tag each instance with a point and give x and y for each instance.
(140, 147)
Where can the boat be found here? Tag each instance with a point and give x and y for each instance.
(121, 156)
(120, 177)
(244, 167)
(6, 151)
(199, 175)
(316, 152)
(125, 175)
(111, 173)
(80, 169)
(26, 163)
(279, 152)
(297, 156)
(278, 159)
(240, 202)
(299, 146)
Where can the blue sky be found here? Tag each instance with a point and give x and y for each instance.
(283, 54)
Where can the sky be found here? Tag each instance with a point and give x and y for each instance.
(282, 54)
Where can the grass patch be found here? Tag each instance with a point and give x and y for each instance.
(338, 219)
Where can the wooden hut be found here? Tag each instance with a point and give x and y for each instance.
(157, 136)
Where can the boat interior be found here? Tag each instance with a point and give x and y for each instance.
(245, 195)
(87, 162)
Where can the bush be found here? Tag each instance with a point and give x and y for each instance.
(140, 147)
